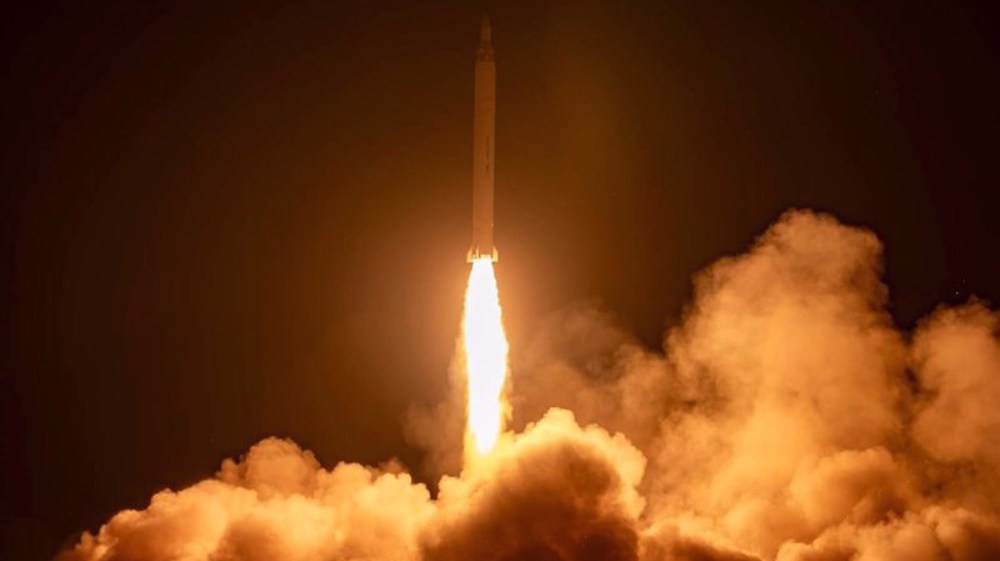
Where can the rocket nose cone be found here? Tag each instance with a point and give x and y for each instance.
(485, 31)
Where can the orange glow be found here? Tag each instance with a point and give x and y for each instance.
(485, 347)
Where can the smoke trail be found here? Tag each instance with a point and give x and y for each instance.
(785, 418)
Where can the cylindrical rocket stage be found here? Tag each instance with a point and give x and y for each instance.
(483, 144)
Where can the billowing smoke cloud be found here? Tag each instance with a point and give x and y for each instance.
(277, 503)
(555, 491)
(785, 418)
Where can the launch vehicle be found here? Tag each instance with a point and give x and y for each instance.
(483, 147)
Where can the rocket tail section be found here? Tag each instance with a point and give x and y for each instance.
(477, 253)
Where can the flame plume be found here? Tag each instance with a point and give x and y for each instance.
(485, 347)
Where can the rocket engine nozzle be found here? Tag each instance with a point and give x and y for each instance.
(476, 253)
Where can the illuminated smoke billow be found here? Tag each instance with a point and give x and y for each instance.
(785, 418)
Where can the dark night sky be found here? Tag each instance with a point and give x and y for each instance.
(222, 222)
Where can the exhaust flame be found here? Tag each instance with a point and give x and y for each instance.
(485, 347)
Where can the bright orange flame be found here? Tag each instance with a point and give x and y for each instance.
(485, 346)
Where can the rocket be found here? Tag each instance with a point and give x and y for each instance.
(483, 144)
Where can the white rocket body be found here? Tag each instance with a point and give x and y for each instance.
(483, 144)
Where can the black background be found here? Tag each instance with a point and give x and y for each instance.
(226, 221)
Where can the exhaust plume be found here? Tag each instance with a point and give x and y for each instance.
(484, 347)
(786, 418)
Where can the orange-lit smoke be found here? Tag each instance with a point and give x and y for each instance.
(785, 418)
(484, 346)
